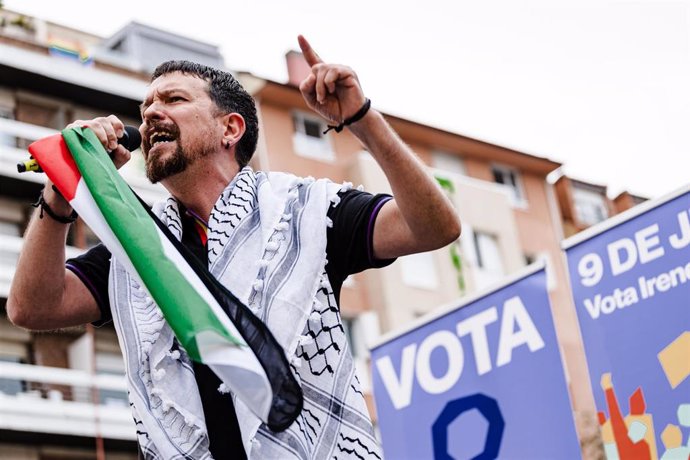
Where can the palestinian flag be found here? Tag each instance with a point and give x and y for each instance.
(212, 325)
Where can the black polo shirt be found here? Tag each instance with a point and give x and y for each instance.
(349, 250)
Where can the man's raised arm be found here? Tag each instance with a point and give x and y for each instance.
(420, 218)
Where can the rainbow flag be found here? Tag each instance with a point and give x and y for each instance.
(212, 325)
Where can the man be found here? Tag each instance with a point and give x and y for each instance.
(199, 130)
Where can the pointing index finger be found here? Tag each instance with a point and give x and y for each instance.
(308, 52)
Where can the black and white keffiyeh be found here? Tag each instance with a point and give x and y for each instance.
(267, 245)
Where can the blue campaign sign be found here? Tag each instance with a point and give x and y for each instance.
(630, 279)
(478, 380)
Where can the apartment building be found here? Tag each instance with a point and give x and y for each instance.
(583, 204)
(62, 394)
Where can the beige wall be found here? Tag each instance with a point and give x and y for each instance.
(540, 232)
(399, 303)
(277, 132)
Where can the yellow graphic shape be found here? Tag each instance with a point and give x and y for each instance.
(671, 436)
(607, 432)
(675, 359)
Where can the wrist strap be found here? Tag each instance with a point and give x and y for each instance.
(44, 207)
(348, 121)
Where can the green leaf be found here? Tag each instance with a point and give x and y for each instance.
(446, 184)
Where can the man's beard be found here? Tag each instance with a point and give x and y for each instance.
(158, 169)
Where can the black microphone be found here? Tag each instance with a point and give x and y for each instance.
(130, 139)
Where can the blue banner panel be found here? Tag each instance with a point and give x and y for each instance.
(631, 286)
(483, 380)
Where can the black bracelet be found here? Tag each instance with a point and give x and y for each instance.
(44, 207)
(356, 117)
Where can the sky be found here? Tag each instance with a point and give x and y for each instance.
(601, 86)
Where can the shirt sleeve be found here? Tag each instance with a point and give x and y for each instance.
(93, 268)
(350, 240)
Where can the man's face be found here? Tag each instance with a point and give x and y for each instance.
(180, 124)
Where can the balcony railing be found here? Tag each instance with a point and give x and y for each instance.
(11, 133)
(40, 399)
(10, 246)
(14, 133)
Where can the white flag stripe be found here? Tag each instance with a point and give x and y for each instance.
(250, 386)
(224, 358)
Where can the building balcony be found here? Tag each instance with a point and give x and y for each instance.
(65, 402)
(10, 247)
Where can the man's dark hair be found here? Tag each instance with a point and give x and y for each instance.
(228, 95)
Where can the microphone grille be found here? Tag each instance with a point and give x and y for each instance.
(131, 139)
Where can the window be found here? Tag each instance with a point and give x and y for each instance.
(6, 138)
(419, 270)
(349, 326)
(487, 258)
(590, 207)
(107, 359)
(488, 252)
(9, 252)
(510, 178)
(40, 111)
(361, 331)
(12, 217)
(13, 349)
(112, 364)
(448, 162)
(309, 140)
(11, 387)
(544, 257)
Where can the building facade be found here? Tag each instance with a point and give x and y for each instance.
(509, 211)
(62, 394)
(583, 204)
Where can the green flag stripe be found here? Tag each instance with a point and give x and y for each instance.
(179, 301)
(232, 355)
